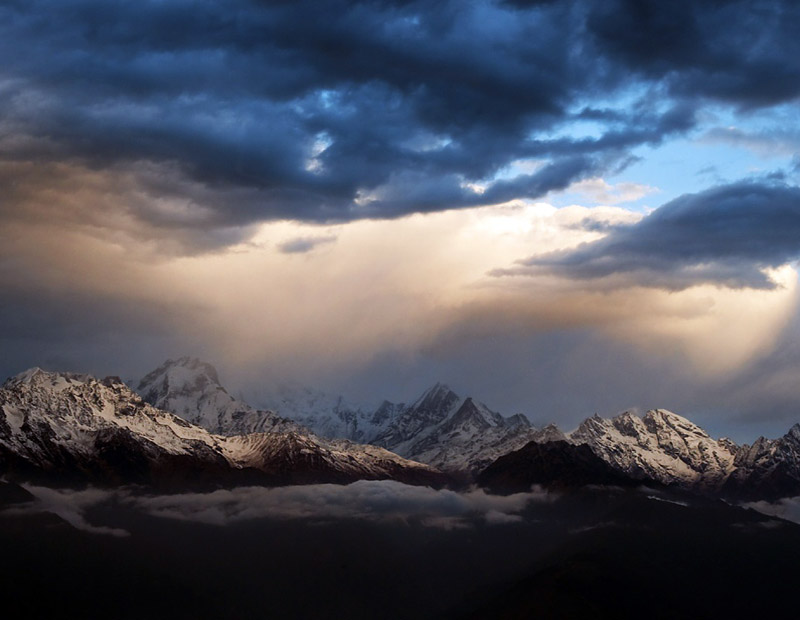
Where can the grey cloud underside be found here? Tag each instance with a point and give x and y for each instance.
(726, 235)
(301, 245)
(331, 111)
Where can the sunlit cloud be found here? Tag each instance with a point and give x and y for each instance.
(603, 192)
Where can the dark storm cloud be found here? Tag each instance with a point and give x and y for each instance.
(334, 110)
(726, 235)
(741, 52)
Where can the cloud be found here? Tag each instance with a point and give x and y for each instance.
(336, 111)
(429, 313)
(71, 506)
(156, 157)
(383, 501)
(730, 235)
(766, 143)
(301, 245)
(696, 50)
(603, 192)
(372, 500)
(787, 508)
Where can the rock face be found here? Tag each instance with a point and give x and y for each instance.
(70, 427)
(661, 445)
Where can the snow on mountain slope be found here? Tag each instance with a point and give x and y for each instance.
(459, 434)
(70, 423)
(420, 419)
(440, 428)
(75, 426)
(770, 468)
(661, 445)
(190, 389)
(454, 433)
(326, 415)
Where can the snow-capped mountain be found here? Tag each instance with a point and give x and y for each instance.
(454, 433)
(661, 445)
(326, 415)
(769, 469)
(191, 389)
(440, 428)
(460, 434)
(76, 427)
(664, 448)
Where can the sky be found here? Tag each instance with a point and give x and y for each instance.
(559, 207)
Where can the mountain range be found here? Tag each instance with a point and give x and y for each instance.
(440, 428)
(182, 427)
(74, 427)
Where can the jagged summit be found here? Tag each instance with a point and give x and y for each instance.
(437, 392)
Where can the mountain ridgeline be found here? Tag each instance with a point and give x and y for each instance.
(72, 428)
(183, 428)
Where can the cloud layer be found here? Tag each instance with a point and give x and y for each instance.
(372, 500)
(380, 501)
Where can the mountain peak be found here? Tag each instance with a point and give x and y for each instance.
(660, 445)
(38, 376)
(26, 376)
(437, 390)
(190, 388)
(188, 364)
(181, 376)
